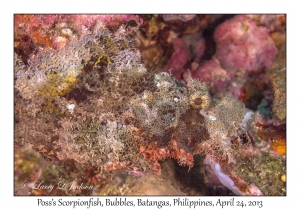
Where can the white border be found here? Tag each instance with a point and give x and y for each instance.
(8, 8)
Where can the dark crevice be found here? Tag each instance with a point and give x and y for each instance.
(208, 35)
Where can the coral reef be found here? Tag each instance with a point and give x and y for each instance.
(27, 165)
(212, 74)
(277, 76)
(156, 39)
(241, 44)
(178, 59)
(237, 185)
(257, 173)
(105, 110)
(155, 103)
(41, 177)
(54, 30)
(125, 184)
(228, 52)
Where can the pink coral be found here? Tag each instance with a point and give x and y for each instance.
(190, 47)
(196, 45)
(274, 22)
(241, 44)
(48, 30)
(178, 60)
(59, 42)
(212, 74)
(109, 20)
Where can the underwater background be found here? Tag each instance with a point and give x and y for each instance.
(150, 104)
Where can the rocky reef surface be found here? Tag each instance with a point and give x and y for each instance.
(121, 104)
